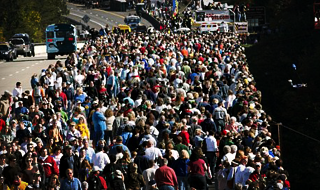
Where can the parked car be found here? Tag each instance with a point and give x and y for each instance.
(23, 44)
(6, 52)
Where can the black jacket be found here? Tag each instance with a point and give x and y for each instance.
(64, 166)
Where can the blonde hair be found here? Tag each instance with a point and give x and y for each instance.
(184, 154)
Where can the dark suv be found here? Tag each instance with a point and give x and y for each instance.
(7, 52)
(23, 44)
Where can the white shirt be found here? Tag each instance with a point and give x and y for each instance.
(17, 92)
(148, 175)
(229, 157)
(211, 144)
(100, 159)
(152, 153)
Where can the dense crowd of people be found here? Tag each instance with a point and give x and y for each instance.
(130, 111)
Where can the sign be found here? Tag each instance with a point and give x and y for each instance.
(213, 15)
(257, 12)
(86, 18)
(241, 27)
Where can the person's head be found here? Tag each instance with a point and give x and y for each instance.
(68, 150)
(234, 148)
(30, 147)
(69, 173)
(119, 140)
(18, 84)
(165, 161)
(72, 126)
(85, 143)
(54, 180)
(12, 160)
(82, 153)
(3, 158)
(17, 179)
(184, 154)
(44, 152)
(258, 167)
(29, 161)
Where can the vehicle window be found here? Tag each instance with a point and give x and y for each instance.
(17, 42)
(69, 34)
(60, 34)
(50, 35)
(26, 40)
(4, 47)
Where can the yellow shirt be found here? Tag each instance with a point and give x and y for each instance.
(23, 185)
(84, 131)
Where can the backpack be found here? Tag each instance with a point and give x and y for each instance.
(95, 183)
(37, 92)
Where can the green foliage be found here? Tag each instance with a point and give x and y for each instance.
(30, 16)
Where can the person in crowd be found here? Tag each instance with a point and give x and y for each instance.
(197, 168)
(70, 183)
(69, 160)
(96, 181)
(166, 177)
(180, 166)
(170, 85)
(149, 176)
(49, 165)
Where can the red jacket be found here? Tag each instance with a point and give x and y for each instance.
(185, 137)
(50, 166)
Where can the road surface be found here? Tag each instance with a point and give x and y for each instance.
(23, 68)
(99, 18)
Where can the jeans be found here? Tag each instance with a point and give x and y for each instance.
(108, 137)
(99, 135)
(183, 182)
(166, 187)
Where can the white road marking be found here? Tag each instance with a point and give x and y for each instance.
(22, 69)
(91, 13)
(41, 61)
(17, 72)
(37, 63)
(10, 75)
(97, 15)
(71, 7)
(101, 16)
(90, 19)
(84, 11)
(3, 78)
(27, 67)
(32, 65)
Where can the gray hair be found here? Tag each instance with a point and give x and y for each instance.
(234, 148)
(227, 149)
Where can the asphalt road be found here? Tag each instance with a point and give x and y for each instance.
(23, 68)
(99, 18)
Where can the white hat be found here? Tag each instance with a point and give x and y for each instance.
(96, 168)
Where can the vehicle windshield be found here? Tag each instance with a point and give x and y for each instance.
(17, 42)
(4, 47)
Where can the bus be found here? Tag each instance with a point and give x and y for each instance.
(61, 39)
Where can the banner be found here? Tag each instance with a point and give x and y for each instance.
(175, 6)
(241, 27)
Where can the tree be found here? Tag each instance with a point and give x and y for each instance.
(30, 16)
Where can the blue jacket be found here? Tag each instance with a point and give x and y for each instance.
(99, 121)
